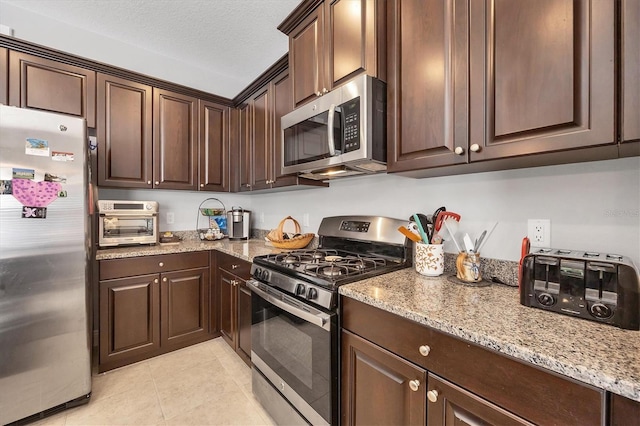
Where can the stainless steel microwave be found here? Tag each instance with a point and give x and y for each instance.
(341, 133)
(127, 222)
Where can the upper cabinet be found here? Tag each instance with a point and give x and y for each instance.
(124, 133)
(462, 88)
(175, 140)
(47, 85)
(630, 77)
(214, 147)
(331, 41)
(4, 75)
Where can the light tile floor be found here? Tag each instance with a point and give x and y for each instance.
(204, 384)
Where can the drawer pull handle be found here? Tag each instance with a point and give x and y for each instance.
(414, 385)
(432, 395)
(424, 350)
(161, 264)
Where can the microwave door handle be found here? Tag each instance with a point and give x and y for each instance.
(332, 146)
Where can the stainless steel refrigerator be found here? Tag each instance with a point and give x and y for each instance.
(45, 344)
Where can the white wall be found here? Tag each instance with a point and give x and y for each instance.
(592, 206)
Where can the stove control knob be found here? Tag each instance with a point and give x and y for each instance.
(264, 274)
(312, 294)
(546, 299)
(599, 310)
(257, 273)
(300, 290)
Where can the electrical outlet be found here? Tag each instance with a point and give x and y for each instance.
(171, 218)
(539, 232)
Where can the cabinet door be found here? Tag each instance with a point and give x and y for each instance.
(175, 146)
(452, 405)
(244, 322)
(4, 75)
(46, 85)
(214, 147)
(623, 411)
(630, 79)
(129, 320)
(376, 386)
(356, 42)
(306, 57)
(557, 93)
(262, 139)
(246, 148)
(282, 105)
(185, 307)
(228, 304)
(124, 133)
(427, 84)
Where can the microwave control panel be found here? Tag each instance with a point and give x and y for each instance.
(351, 127)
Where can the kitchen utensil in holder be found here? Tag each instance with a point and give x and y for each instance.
(279, 238)
(216, 226)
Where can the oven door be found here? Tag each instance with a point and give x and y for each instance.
(117, 230)
(294, 346)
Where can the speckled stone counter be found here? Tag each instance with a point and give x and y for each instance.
(601, 355)
(246, 250)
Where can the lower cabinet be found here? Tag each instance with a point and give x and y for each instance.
(152, 305)
(396, 371)
(235, 304)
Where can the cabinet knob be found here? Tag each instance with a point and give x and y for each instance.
(234, 266)
(234, 283)
(424, 350)
(164, 280)
(148, 182)
(475, 147)
(432, 395)
(414, 385)
(155, 281)
(247, 185)
(459, 150)
(324, 90)
(157, 183)
(202, 185)
(318, 94)
(161, 264)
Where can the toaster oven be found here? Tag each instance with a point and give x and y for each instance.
(594, 286)
(127, 222)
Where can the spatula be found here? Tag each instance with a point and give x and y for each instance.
(442, 216)
(410, 235)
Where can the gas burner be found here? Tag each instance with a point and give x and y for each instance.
(317, 255)
(333, 270)
(291, 259)
(333, 258)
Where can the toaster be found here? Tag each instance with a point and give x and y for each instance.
(599, 287)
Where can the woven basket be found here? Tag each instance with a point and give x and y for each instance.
(276, 236)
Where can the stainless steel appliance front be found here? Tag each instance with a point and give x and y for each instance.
(341, 133)
(294, 348)
(127, 222)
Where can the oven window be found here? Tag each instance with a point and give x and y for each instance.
(127, 226)
(299, 352)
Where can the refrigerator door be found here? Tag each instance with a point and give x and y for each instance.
(44, 323)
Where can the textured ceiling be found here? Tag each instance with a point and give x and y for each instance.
(235, 38)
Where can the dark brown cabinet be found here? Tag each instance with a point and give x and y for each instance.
(235, 304)
(623, 411)
(175, 140)
(4, 75)
(335, 41)
(630, 78)
(517, 388)
(462, 89)
(151, 305)
(214, 147)
(379, 387)
(47, 85)
(124, 128)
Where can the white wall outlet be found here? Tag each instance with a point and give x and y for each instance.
(539, 232)
(171, 218)
(305, 219)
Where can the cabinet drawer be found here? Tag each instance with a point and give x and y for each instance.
(235, 265)
(117, 268)
(539, 396)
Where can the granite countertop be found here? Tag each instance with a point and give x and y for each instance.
(243, 249)
(601, 355)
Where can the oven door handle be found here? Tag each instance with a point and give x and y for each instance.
(320, 319)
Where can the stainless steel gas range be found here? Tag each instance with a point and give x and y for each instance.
(295, 321)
